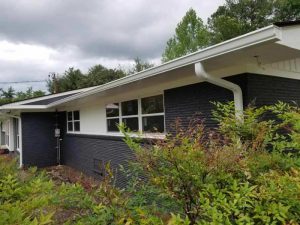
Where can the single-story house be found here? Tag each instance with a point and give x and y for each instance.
(78, 128)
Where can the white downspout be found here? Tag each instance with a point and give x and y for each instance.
(237, 91)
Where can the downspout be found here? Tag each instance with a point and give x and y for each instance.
(237, 91)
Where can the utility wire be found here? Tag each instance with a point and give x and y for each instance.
(22, 82)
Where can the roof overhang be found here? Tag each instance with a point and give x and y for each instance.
(244, 49)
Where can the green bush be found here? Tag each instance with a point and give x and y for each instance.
(240, 173)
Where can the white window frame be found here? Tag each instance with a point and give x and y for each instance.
(18, 134)
(140, 116)
(73, 122)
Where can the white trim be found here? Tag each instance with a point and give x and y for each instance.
(119, 134)
(268, 34)
(73, 122)
(139, 116)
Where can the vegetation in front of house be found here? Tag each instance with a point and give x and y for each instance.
(240, 173)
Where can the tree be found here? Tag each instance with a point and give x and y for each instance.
(9, 93)
(237, 17)
(139, 65)
(190, 36)
(99, 74)
(72, 79)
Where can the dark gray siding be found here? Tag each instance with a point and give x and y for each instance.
(38, 142)
(266, 90)
(185, 102)
(79, 151)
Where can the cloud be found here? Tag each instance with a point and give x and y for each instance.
(37, 37)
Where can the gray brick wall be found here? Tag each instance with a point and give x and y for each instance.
(185, 102)
(80, 151)
(266, 90)
(38, 142)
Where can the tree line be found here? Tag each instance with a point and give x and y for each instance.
(233, 18)
(11, 95)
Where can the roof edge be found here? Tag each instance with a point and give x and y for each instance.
(268, 33)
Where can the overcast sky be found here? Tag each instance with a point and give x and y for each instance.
(42, 36)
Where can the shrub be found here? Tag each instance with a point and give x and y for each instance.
(239, 173)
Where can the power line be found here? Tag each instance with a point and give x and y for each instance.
(22, 82)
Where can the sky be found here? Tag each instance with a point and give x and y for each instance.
(38, 37)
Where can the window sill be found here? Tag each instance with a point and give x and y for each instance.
(117, 134)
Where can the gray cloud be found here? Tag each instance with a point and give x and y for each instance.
(91, 31)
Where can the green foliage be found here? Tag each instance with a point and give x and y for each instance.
(191, 35)
(235, 174)
(73, 79)
(10, 95)
(237, 17)
(234, 18)
(139, 65)
(238, 173)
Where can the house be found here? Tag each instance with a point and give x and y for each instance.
(79, 129)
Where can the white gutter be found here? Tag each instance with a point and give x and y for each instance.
(237, 91)
(10, 107)
(268, 34)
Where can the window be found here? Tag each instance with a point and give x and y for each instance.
(112, 115)
(130, 114)
(73, 121)
(146, 114)
(5, 130)
(153, 114)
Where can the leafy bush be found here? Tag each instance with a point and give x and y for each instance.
(239, 173)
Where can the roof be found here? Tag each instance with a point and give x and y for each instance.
(44, 100)
(272, 36)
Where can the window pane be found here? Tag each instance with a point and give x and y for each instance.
(153, 124)
(112, 125)
(131, 123)
(112, 110)
(130, 108)
(70, 116)
(76, 115)
(77, 126)
(153, 104)
(70, 126)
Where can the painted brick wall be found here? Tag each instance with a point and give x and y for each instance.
(185, 102)
(266, 90)
(38, 143)
(79, 151)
